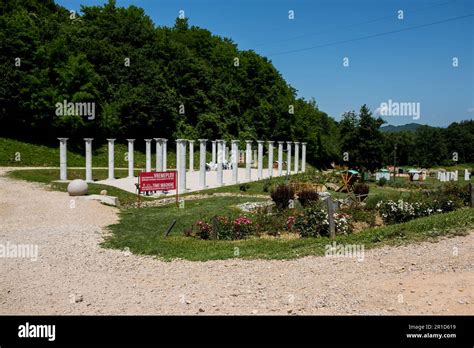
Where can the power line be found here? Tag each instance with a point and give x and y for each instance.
(352, 25)
(371, 36)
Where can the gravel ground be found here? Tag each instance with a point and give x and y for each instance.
(74, 275)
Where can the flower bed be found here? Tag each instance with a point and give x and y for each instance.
(399, 211)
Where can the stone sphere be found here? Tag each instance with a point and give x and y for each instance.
(103, 192)
(77, 187)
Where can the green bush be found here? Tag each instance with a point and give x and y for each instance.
(267, 184)
(456, 191)
(394, 212)
(361, 214)
(282, 195)
(313, 222)
(382, 182)
(271, 223)
(223, 228)
(244, 187)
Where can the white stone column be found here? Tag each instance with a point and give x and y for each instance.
(466, 175)
(130, 158)
(111, 153)
(288, 157)
(224, 157)
(280, 157)
(165, 153)
(181, 164)
(303, 157)
(202, 163)
(178, 154)
(88, 159)
(62, 158)
(260, 159)
(159, 154)
(191, 155)
(235, 160)
(297, 155)
(148, 155)
(248, 160)
(270, 158)
(220, 174)
(213, 151)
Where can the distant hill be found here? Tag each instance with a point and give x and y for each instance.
(409, 127)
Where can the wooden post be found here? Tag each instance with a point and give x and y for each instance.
(332, 226)
(471, 192)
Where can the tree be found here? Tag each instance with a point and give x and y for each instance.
(362, 140)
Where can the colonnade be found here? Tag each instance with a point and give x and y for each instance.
(219, 157)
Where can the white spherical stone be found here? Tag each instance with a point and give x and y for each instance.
(77, 187)
(103, 192)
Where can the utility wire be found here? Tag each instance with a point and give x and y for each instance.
(371, 36)
(352, 25)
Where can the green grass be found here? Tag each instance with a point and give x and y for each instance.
(142, 232)
(152, 222)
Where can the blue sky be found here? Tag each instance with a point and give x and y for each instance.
(408, 66)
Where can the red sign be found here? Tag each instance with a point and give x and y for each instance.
(157, 181)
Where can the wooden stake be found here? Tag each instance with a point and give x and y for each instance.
(332, 226)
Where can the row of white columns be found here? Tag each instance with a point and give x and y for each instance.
(218, 157)
(218, 149)
(161, 160)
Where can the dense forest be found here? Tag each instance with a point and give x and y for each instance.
(147, 80)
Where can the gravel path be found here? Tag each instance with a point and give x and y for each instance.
(74, 275)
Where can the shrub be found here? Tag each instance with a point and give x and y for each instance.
(360, 214)
(224, 228)
(267, 184)
(456, 191)
(282, 195)
(244, 187)
(361, 190)
(313, 222)
(382, 182)
(272, 223)
(401, 211)
(307, 196)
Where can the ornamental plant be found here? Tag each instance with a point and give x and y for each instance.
(224, 228)
(314, 222)
(307, 197)
(282, 195)
(394, 212)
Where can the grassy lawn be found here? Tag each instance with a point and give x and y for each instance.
(154, 221)
(142, 232)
